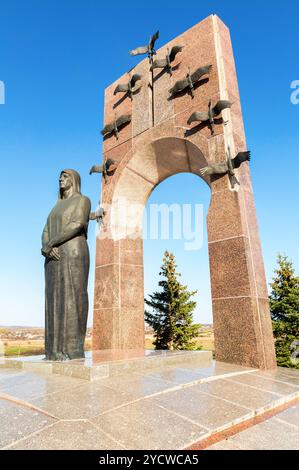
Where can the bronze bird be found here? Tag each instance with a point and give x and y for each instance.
(149, 49)
(130, 86)
(227, 167)
(166, 63)
(104, 168)
(211, 114)
(113, 127)
(190, 80)
(98, 215)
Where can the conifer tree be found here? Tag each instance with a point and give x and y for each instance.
(171, 315)
(284, 306)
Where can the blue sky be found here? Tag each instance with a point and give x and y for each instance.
(57, 57)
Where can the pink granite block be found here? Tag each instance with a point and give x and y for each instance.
(132, 329)
(107, 251)
(142, 101)
(105, 329)
(230, 275)
(131, 286)
(235, 332)
(224, 216)
(131, 251)
(107, 290)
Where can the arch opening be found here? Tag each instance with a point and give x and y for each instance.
(175, 221)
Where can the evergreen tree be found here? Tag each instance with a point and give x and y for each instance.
(284, 305)
(172, 310)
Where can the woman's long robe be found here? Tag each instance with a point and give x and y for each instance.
(66, 295)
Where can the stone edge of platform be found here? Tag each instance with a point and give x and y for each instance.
(107, 369)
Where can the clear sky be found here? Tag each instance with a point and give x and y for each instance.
(57, 57)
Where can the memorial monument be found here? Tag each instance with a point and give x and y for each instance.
(177, 111)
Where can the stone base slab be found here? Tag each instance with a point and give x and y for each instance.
(191, 406)
(108, 363)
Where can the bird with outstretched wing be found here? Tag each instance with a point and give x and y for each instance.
(105, 168)
(129, 87)
(227, 167)
(113, 127)
(166, 63)
(210, 115)
(148, 49)
(190, 80)
(241, 158)
(97, 215)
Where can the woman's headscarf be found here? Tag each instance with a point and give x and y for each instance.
(76, 180)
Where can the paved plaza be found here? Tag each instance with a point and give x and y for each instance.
(165, 407)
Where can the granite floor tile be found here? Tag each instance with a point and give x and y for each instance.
(288, 371)
(265, 384)
(144, 425)
(218, 368)
(11, 377)
(138, 385)
(238, 393)
(17, 422)
(190, 373)
(227, 444)
(270, 435)
(175, 375)
(5, 374)
(203, 409)
(75, 435)
(31, 386)
(291, 416)
(84, 402)
(281, 375)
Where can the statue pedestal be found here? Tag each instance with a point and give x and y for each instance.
(110, 362)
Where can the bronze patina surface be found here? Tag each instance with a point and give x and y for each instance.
(66, 271)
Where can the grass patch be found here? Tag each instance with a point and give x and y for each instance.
(21, 349)
(205, 343)
(36, 348)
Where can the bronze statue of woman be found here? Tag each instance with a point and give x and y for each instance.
(66, 251)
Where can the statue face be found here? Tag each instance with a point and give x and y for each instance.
(65, 181)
